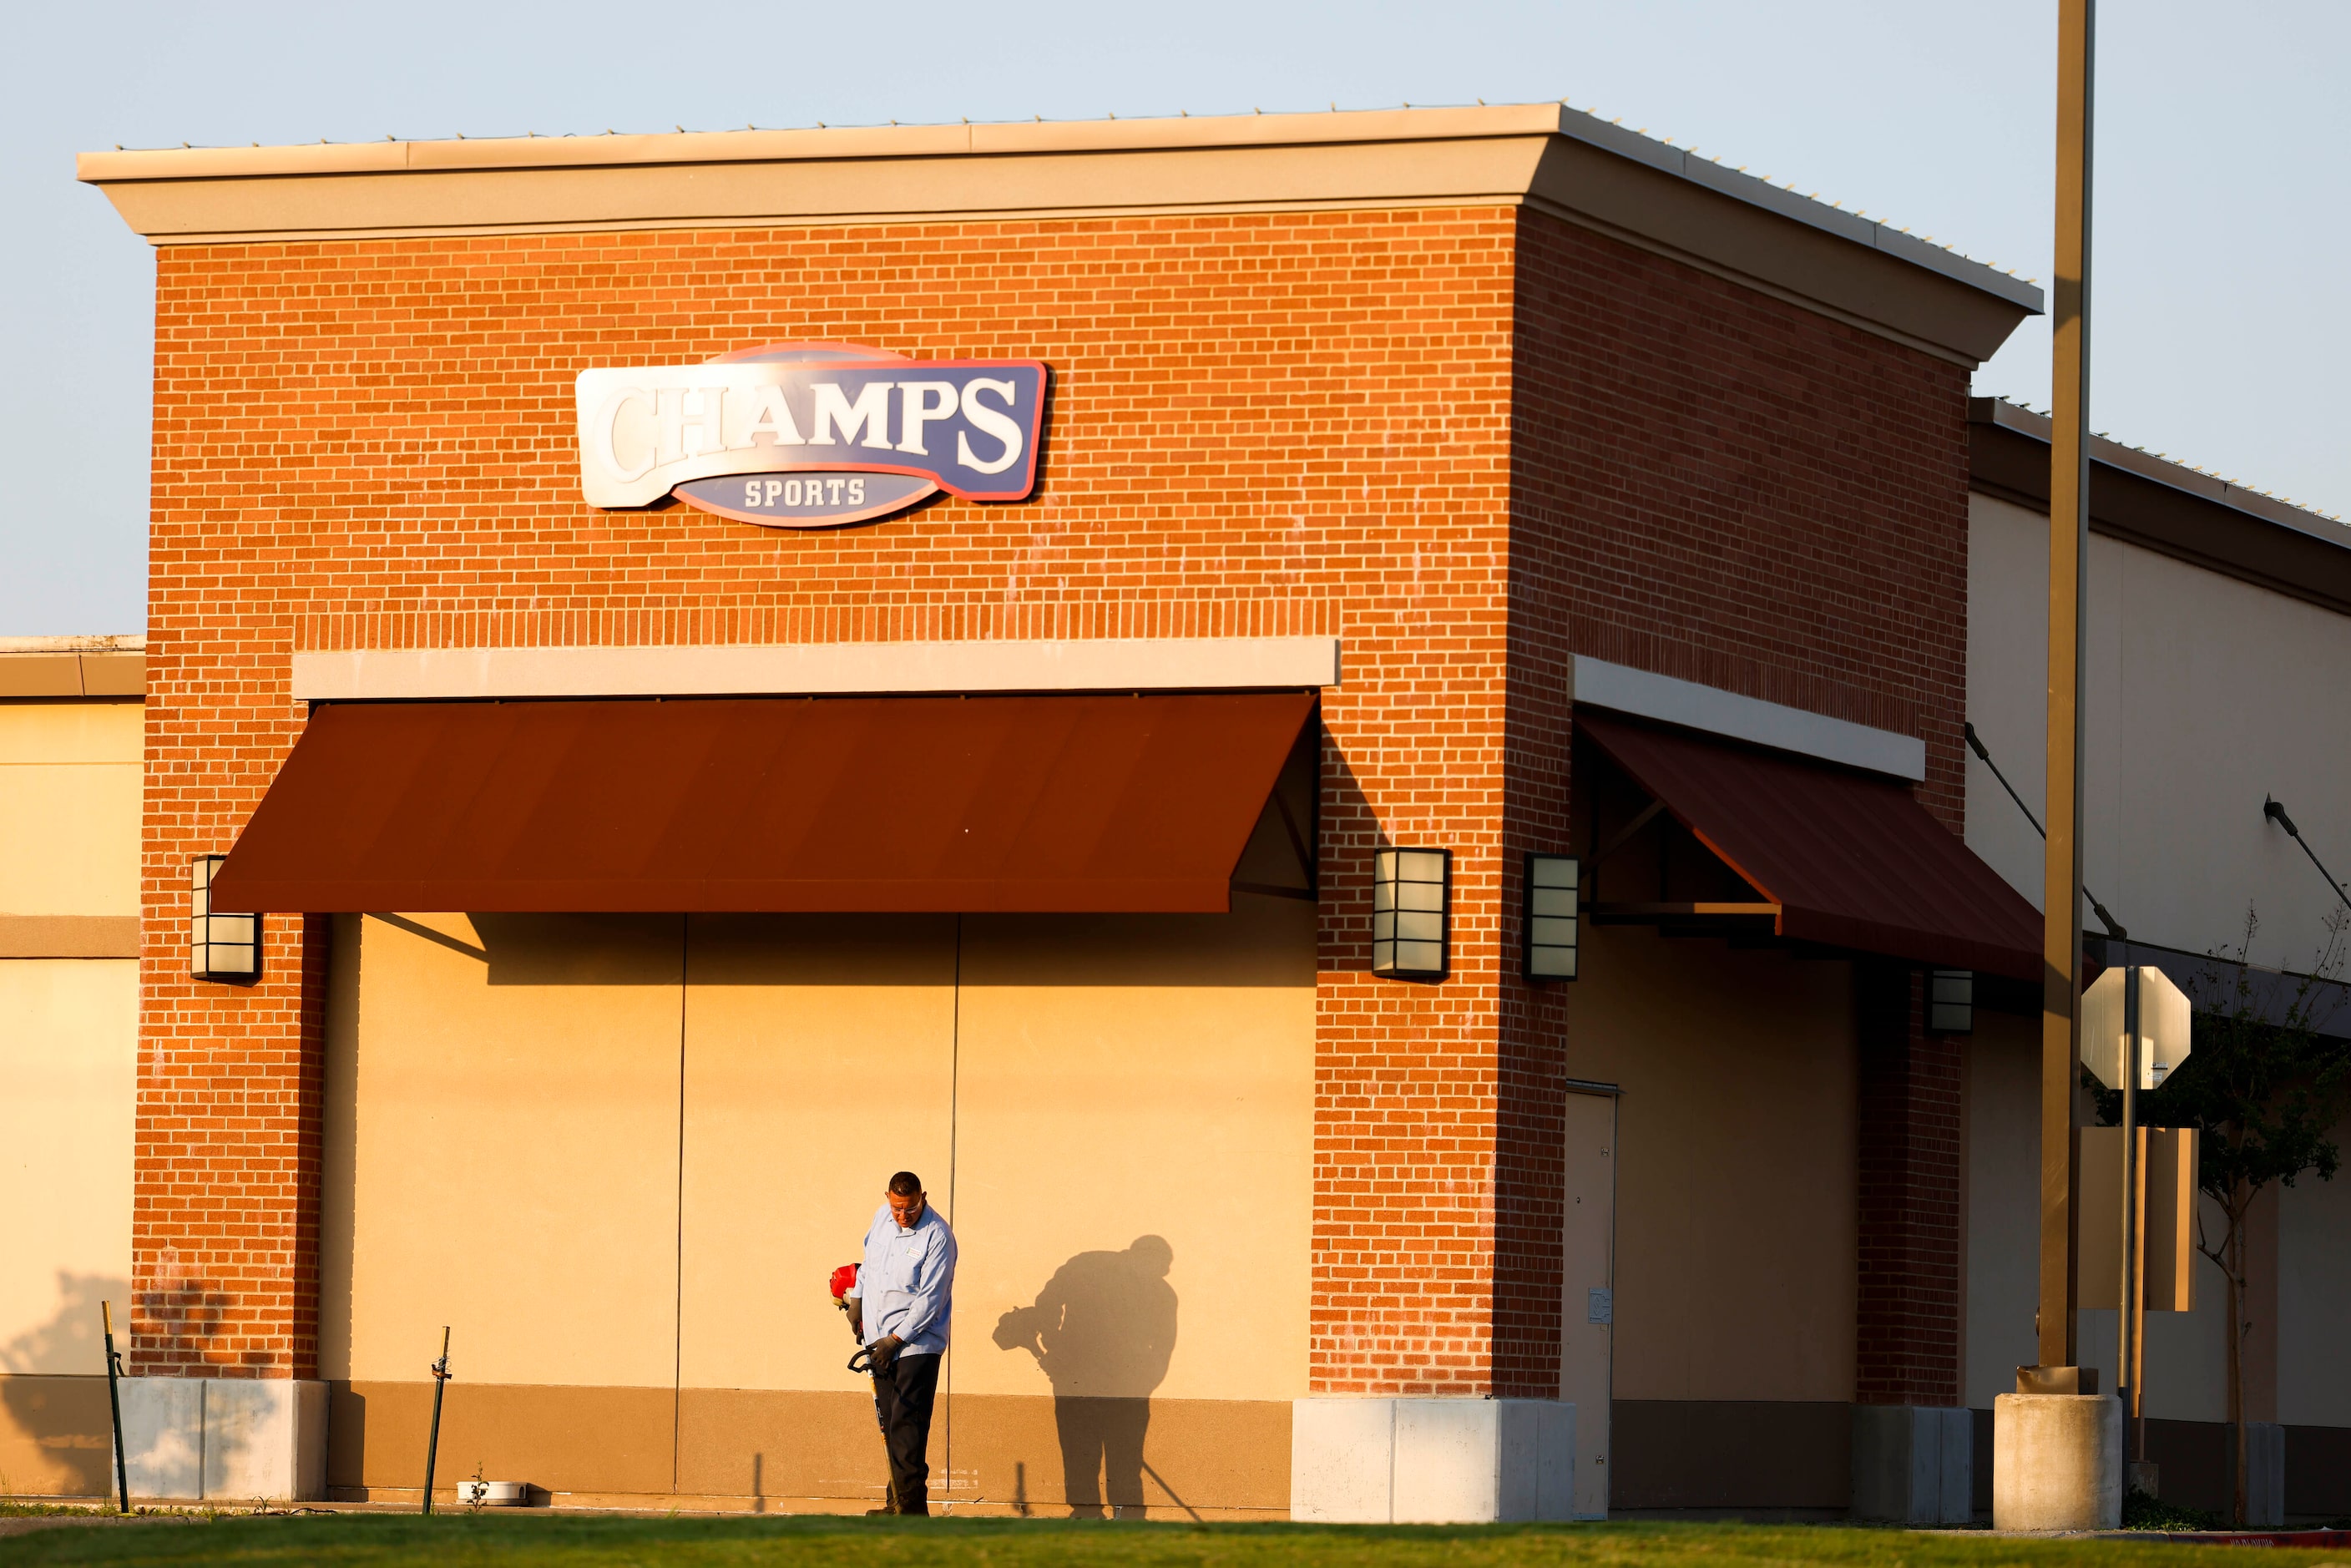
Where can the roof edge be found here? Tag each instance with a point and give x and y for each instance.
(2001, 414)
(95, 642)
(1582, 125)
(2167, 508)
(826, 144)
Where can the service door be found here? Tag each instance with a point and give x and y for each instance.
(1588, 1302)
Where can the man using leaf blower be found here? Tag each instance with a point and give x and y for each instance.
(898, 1307)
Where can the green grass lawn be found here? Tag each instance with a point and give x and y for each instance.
(579, 1542)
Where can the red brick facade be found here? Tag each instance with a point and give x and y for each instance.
(1713, 485)
(1469, 443)
(1907, 1323)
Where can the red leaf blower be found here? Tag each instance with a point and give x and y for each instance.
(842, 1278)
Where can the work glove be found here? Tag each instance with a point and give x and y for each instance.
(855, 1313)
(885, 1351)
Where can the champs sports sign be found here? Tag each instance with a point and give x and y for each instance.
(810, 436)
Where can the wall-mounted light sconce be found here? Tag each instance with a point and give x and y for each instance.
(220, 946)
(1549, 922)
(1952, 1001)
(1411, 893)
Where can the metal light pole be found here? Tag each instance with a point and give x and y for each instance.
(2069, 535)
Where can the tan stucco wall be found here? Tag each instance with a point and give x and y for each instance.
(505, 1099)
(70, 775)
(2203, 694)
(1736, 1220)
(819, 1058)
(2003, 1187)
(69, 804)
(501, 1149)
(68, 1048)
(1128, 1077)
(2185, 1352)
(2314, 1300)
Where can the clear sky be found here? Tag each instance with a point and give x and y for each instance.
(2221, 332)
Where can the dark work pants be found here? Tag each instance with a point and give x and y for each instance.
(905, 1395)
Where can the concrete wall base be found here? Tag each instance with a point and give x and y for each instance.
(2264, 1475)
(1914, 1464)
(2058, 1461)
(1431, 1461)
(224, 1439)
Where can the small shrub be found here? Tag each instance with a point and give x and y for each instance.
(2141, 1511)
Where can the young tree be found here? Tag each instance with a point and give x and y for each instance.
(2264, 1090)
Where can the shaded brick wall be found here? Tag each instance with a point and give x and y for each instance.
(1261, 425)
(1729, 489)
(1906, 1344)
(1714, 485)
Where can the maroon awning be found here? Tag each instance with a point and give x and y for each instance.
(1851, 859)
(1039, 804)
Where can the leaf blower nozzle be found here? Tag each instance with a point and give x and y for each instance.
(843, 1279)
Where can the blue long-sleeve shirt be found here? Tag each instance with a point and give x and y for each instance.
(906, 1284)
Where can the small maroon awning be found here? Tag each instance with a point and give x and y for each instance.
(1037, 804)
(1851, 859)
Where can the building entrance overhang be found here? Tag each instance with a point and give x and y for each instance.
(1799, 853)
(1059, 804)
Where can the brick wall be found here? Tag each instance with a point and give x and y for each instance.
(1711, 483)
(1906, 1346)
(1261, 425)
(1718, 485)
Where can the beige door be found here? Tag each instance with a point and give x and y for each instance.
(1588, 1304)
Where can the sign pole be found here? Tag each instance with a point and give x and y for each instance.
(2126, 1319)
(2069, 526)
(2139, 1314)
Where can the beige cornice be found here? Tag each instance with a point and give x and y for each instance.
(89, 667)
(1562, 161)
(1077, 664)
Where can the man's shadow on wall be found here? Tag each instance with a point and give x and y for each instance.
(1102, 1329)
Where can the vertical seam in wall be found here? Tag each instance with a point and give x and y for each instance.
(954, 1089)
(677, 1301)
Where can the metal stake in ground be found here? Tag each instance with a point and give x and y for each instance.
(433, 1443)
(114, 1404)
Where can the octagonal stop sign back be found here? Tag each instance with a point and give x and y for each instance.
(2163, 1025)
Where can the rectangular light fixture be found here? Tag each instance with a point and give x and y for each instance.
(220, 946)
(1952, 1001)
(1550, 923)
(1411, 890)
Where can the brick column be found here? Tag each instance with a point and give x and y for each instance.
(225, 1158)
(1908, 1322)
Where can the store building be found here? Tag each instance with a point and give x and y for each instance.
(651, 852)
(2218, 635)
